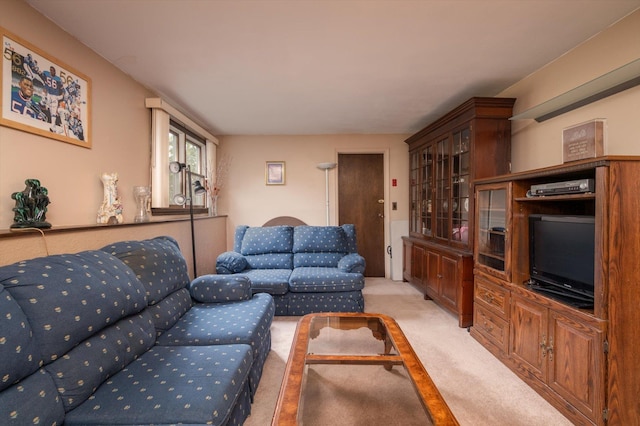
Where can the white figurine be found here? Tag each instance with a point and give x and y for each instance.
(111, 209)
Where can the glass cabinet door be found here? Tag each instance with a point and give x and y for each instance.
(492, 229)
(414, 212)
(427, 190)
(460, 186)
(443, 196)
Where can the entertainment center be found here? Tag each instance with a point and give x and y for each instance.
(556, 279)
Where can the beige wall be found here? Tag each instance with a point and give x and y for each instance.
(540, 144)
(120, 133)
(121, 129)
(248, 201)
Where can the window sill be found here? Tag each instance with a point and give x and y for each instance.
(170, 211)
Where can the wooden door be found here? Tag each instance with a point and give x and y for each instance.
(361, 202)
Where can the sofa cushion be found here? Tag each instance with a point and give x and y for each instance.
(220, 288)
(70, 297)
(169, 310)
(18, 350)
(272, 239)
(33, 401)
(270, 261)
(324, 259)
(151, 258)
(247, 322)
(272, 281)
(83, 369)
(230, 262)
(223, 323)
(327, 239)
(324, 280)
(171, 385)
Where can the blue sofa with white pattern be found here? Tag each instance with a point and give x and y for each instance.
(305, 268)
(120, 336)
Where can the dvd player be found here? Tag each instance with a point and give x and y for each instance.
(578, 186)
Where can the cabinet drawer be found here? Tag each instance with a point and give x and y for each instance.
(492, 296)
(492, 327)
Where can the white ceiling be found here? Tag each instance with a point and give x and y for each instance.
(287, 67)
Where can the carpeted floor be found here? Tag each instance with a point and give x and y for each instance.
(479, 389)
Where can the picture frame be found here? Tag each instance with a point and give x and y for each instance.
(42, 95)
(274, 173)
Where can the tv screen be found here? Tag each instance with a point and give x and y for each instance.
(562, 250)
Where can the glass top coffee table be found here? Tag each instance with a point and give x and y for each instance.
(356, 368)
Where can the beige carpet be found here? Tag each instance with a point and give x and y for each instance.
(479, 389)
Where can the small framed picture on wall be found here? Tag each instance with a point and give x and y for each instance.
(274, 173)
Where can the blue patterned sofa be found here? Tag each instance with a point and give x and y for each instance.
(119, 336)
(305, 268)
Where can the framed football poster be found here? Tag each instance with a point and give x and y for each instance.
(42, 95)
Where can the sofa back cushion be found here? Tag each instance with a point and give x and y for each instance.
(266, 248)
(157, 262)
(319, 245)
(67, 298)
(272, 239)
(82, 370)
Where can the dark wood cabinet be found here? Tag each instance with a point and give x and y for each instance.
(472, 141)
(583, 361)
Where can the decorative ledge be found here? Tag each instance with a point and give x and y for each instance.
(8, 233)
(613, 82)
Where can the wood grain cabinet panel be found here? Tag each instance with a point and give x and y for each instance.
(583, 361)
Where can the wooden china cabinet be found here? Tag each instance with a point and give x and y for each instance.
(584, 361)
(472, 141)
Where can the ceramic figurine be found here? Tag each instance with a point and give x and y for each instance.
(31, 206)
(110, 211)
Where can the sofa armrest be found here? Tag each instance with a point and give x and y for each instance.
(230, 262)
(352, 262)
(220, 288)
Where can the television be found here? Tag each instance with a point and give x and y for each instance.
(561, 257)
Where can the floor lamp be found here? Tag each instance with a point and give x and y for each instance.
(326, 167)
(176, 167)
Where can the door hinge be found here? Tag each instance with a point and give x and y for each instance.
(605, 346)
(605, 415)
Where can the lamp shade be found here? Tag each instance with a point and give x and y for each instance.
(198, 188)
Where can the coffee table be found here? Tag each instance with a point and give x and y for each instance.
(341, 367)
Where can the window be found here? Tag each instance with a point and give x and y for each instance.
(177, 138)
(187, 148)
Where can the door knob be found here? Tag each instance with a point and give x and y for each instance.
(380, 201)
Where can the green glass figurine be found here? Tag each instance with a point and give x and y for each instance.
(31, 206)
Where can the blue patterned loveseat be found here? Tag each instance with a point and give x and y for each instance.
(305, 268)
(119, 336)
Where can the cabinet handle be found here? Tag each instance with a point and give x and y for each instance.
(550, 348)
(543, 346)
(439, 275)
